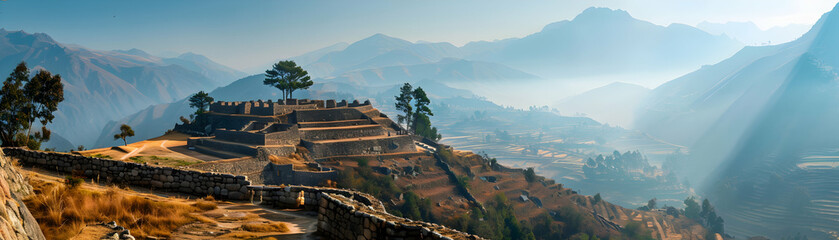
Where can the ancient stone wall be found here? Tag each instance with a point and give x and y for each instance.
(276, 174)
(278, 134)
(216, 145)
(340, 217)
(222, 186)
(235, 122)
(396, 144)
(283, 151)
(342, 133)
(346, 214)
(288, 135)
(264, 108)
(335, 114)
(240, 136)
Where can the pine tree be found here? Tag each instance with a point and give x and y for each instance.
(287, 77)
(403, 105)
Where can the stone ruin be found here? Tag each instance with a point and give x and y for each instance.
(325, 127)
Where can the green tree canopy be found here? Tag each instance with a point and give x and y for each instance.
(421, 102)
(287, 77)
(529, 174)
(200, 101)
(125, 131)
(23, 101)
(403, 105)
(12, 106)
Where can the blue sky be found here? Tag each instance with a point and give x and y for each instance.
(248, 34)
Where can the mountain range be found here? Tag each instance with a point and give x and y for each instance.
(750, 34)
(602, 41)
(761, 126)
(100, 86)
(598, 41)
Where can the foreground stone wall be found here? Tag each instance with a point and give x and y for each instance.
(340, 217)
(16, 222)
(222, 186)
(347, 214)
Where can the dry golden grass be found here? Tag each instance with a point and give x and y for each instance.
(205, 205)
(247, 216)
(241, 235)
(204, 219)
(62, 211)
(265, 227)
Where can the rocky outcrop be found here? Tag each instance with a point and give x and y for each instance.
(16, 223)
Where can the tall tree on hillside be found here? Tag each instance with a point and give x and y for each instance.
(24, 101)
(403, 104)
(200, 101)
(421, 102)
(287, 77)
(125, 131)
(416, 116)
(12, 106)
(43, 94)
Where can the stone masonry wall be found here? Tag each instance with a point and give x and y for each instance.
(342, 133)
(347, 214)
(336, 114)
(395, 144)
(276, 174)
(289, 136)
(222, 186)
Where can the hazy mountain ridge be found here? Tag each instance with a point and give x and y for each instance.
(448, 69)
(606, 41)
(380, 50)
(105, 84)
(750, 121)
(750, 34)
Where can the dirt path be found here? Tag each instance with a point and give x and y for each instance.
(132, 153)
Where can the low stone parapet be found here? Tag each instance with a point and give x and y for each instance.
(347, 214)
(221, 186)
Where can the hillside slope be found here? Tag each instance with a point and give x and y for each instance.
(762, 123)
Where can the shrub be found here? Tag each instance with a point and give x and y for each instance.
(530, 174)
(72, 182)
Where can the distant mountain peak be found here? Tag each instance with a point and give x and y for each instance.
(194, 57)
(379, 38)
(24, 38)
(602, 14)
(134, 51)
